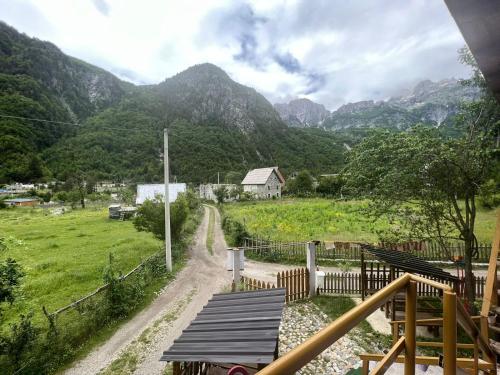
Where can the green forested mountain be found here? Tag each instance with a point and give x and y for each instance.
(37, 80)
(215, 124)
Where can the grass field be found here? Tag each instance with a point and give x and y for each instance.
(64, 256)
(322, 219)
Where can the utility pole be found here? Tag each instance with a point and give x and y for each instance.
(168, 243)
(218, 180)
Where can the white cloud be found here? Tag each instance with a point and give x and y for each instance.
(329, 51)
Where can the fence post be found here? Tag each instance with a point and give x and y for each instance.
(236, 265)
(311, 266)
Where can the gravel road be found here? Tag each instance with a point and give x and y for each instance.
(137, 346)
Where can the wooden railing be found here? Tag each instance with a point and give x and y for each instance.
(453, 313)
(490, 297)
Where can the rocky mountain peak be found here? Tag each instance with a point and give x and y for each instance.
(205, 93)
(302, 112)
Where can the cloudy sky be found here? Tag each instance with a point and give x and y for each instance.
(330, 51)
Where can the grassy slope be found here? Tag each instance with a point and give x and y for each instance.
(322, 219)
(64, 256)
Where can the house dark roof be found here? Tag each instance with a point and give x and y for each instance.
(237, 327)
(408, 262)
(479, 23)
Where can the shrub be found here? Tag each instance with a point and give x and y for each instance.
(234, 230)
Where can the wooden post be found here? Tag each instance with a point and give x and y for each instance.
(236, 265)
(410, 327)
(363, 276)
(450, 333)
(176, 368)
(311, 267)
(168, 243)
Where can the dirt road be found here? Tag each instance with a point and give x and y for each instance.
(137, 346)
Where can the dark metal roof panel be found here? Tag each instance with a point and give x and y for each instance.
(479, 23)
(408, 262)
(240, 327)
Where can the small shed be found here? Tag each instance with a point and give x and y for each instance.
(23, 202)
(119, 212)
(239, 328)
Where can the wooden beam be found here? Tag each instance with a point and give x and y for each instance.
(389, 358)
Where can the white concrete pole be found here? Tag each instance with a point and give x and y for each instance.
(168, 243)
(311, 267)
(236, 266)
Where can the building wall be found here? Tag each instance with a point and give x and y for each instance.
(207, 191)
(272, 188)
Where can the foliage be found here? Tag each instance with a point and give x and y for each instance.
(301, 185)
(418, 178)
(220, 194)
(151, 217)
(235, 231)
(122, 297)
(10, 279)
(22, 338)
(330, 186)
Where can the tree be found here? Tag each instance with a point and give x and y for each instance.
(330, 186)
(151, 217)
(302, 184)
(427, 185)
(220, 194)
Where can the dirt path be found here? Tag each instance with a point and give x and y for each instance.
(137, 346)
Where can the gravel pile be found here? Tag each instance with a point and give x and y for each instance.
(302, 320)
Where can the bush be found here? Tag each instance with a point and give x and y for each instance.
(151, 217)
(235, 231)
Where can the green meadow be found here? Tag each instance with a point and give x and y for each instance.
(323, 219)
(64, 256)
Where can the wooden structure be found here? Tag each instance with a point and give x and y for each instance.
(22, 202)
(453, 314)
(399, 262)
(490, 310)
(233, 328)
(296, 283)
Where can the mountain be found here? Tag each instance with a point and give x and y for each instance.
(302, 113)
(432, 103)
(214, 123)
(37, 80)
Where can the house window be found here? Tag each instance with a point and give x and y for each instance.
(277, 187)
(268, 187)
(269, 195)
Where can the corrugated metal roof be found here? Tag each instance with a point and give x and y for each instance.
(260, 176)
(408, 262)
(20, 200)
(240, 327)
(151, 191)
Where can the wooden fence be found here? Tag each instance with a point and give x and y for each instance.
(296, 283)
(247, 283)
(101, 289)
(346, 283)
(295, 252)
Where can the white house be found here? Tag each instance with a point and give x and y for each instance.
(207, 191)
(151, 191)
(264, 183)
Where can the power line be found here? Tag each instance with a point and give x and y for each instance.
(69, 123)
